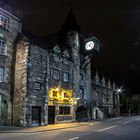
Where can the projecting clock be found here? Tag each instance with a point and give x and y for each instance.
(89, 45)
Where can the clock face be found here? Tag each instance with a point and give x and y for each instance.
(89, 45)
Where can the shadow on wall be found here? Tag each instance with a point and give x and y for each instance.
(81, 114)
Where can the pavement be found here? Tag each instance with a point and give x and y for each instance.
(14, 129)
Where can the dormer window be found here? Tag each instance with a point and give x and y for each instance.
(66, 54)
(3, 22)
(56, 49)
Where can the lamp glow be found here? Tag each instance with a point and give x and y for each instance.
(119, 90)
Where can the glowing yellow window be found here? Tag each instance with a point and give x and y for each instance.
(55, 94)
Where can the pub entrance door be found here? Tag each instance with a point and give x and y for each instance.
(51, 114)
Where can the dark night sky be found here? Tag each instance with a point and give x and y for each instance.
(116, 23)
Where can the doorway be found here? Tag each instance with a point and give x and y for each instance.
(96, 114)
(81, 114)
(36, 115)
(51, 114)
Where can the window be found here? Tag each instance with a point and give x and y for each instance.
(56, 49)
(38, 85)
(1, 74)
(66, 54)
(65, 77)
(66, 95)
(3, 22)
(56, 74)
(38, 58)
(2, 46)
(81, 93)
(64, 110)
(55, 94)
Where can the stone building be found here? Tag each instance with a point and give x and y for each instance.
(10, 26)
(105, 101)
(48, 80)
(52, 77)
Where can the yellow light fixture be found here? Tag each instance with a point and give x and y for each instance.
(75, 102)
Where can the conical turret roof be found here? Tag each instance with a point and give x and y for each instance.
(71, 23)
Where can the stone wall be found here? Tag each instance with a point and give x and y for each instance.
(73, 40)
(38, 73)
(62, 67)
(88, 90)
(106, 101)
(8, 36)
(20, 84)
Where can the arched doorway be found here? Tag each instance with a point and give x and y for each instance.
(81, 114)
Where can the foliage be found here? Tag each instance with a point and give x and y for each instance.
(128, 104)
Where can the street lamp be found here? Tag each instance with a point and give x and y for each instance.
(119, 90)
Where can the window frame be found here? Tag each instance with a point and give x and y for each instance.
(37, 57)
(2, 73)
(38, 85)
(66, 77)
(54, 94)
(56, 74)
(2, 41)
(63, 111)
(5, 23)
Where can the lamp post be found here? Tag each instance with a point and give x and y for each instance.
(116, 103)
